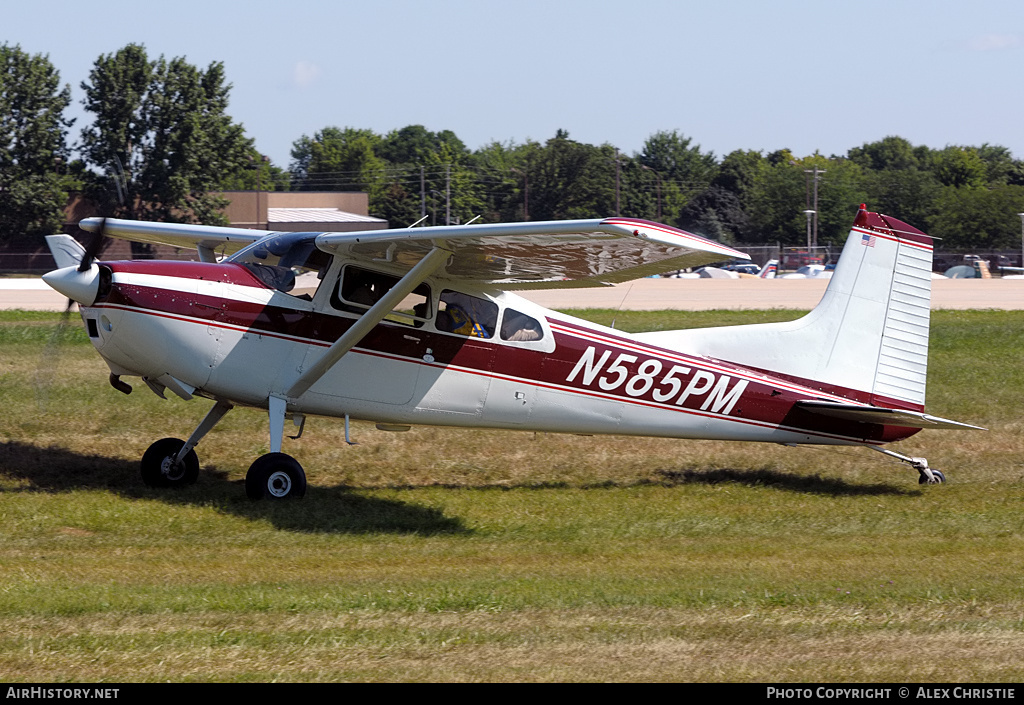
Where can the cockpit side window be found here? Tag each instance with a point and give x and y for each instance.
(466, 315)
(359, 289)
(518, 327)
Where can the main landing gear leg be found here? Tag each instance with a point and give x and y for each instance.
(275, 475)
(171, 462)
(928, 476)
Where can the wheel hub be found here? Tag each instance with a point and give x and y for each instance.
(279, 484)
(170, 469)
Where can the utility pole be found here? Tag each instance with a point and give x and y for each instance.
(526, 192)
(447, 194)
(816, 171)
(658, 176)
(618, 181)
(810, 214)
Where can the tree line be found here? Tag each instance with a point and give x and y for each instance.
(161, 144)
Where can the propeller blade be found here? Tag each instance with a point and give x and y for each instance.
(94, 246)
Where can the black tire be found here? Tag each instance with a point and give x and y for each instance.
(939, 478)
(275, 476)
(158, 468)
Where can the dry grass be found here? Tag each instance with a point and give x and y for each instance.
(647, 645)
(447, 555)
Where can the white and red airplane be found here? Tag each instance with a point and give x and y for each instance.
(417, 326)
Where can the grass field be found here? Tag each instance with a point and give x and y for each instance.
(447, 555)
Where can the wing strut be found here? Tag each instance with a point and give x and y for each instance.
(350, 338)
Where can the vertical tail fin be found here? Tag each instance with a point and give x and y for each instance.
(867, 339)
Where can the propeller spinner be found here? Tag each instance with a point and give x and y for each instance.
(81, 282)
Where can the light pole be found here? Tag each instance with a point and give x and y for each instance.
(809, 214)
(817, 178)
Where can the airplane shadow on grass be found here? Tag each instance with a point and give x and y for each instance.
(324, 509)
(809, 484)
(342, 509)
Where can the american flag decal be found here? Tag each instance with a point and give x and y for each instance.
(868, 240)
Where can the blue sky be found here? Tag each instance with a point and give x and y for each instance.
(732, 74)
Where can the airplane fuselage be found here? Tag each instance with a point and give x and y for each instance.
(226, 334)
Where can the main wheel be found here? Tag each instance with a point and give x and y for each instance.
(939, 478)
(275, 476)
(159, 469)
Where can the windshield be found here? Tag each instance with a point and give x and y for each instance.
(288, 262)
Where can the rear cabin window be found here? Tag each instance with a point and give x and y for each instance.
(466, 315)
(359, 289)
(518, 327)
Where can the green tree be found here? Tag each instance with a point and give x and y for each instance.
(571, 179)
(681, 168)
(399, 171)
(1000, 166)
(412, 145)
(258, 173)
(841, 190)
(161, 131)
(738, 174)
(776, 201)
(431, 170)
(452, 190)
(503, 173)
(33, 146)
(909, 195)
(981, 219)
(715, 213)
(889, 154)
(961, 167)
(336, 159)
(115, 93)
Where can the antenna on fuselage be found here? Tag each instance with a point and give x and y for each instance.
(419, 221)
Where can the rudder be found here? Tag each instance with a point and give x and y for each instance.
(867, 339)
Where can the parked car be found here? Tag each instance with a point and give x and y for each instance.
(742, 268)
(795, 260)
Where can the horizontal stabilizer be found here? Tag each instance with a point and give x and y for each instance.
(882, 415)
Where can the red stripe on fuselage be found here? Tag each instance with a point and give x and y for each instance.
(767, 401)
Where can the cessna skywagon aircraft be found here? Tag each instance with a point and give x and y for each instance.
(417, 326)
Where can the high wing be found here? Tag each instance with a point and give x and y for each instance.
(204, 238)
(539, 255)
(532, 255)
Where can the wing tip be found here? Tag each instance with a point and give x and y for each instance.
(638, 224)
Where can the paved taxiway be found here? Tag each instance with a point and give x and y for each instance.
(657, 294)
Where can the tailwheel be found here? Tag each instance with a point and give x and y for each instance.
(275, 476)
(928, 475)
(160, 468)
